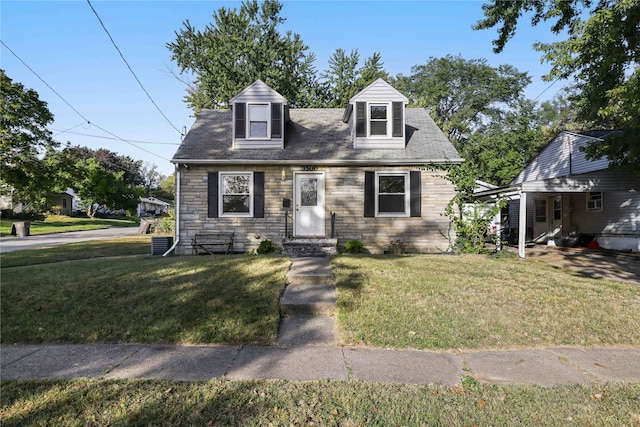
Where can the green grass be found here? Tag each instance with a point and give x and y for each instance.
(135, 245)
(478, 302)
(208, 299)
(61, 224)
(278, 403)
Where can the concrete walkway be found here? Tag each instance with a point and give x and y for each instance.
(545, 367)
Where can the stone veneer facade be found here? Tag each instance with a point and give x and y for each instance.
(344, 196)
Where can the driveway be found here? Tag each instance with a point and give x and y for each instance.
(8, 244)
(610, 265)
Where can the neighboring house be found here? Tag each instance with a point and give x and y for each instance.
(264, 171)
(561, 193)
(60, 203)
(152, 206)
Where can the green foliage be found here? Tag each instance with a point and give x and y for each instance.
(100, 188)
(24, 138)
(266, 247)
(470, 218)
(461, 94)
(167, 225)
(601, 54)
(343, 79)
(240, 47)
(354, 247)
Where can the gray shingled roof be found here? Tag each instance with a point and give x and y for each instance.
(314, 136)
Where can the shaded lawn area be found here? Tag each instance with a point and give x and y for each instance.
(479, 302)
(61, 224)
(208, 299)
(134, 245)
(279, 403)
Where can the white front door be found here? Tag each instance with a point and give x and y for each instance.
(555, 215)
(308, 216)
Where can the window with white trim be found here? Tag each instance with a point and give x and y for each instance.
(594, 202)
(258, 120)
(392, 194)
(236, 194)
(378, 119)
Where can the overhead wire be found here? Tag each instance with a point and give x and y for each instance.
(130, 69)
(108, 137)
(78, 112)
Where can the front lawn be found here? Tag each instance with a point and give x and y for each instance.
(279, 403)
(479, 302)
(208, 299)
(123, 246)
(61, 224)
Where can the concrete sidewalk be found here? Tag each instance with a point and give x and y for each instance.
(545, 367)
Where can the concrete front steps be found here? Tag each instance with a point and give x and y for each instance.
(310, 247)
(308, 304)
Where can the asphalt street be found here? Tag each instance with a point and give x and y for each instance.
(11, 243)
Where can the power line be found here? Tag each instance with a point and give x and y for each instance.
(547, 88)
(76, 111)
(130, 69)
(46, 84)
(108, 137)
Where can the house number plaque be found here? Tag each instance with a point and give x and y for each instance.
(309, 168)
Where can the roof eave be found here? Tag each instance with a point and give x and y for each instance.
(326, 162)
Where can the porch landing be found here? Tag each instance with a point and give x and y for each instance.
(310, 247)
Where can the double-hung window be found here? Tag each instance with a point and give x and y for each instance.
(258, 120)
(378, 119)
(541, 210)
(392, 194)
(236, 194)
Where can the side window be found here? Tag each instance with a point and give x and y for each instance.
(594, 202)
(236, 198)
(392, 194)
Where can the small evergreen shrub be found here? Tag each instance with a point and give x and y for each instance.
(354, 246)
(266, 247)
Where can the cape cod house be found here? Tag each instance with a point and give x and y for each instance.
(562, 196)
(261, 170)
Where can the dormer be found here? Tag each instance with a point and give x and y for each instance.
(376, 117)
(259, 114)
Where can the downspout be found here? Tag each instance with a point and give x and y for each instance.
(177, 227)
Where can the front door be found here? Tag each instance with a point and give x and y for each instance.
(555, 216)
(309, 205)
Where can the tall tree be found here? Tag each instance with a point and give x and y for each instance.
(601, 53)
(343, 79)
(99, 188)
(239, 47)
(462, 94)
(132, 172)
(24, 139)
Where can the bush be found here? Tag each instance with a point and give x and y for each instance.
(266, 247)
(354, 246)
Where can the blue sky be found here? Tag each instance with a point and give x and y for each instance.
(65, 44)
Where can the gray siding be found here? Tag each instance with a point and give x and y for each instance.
(563, 156)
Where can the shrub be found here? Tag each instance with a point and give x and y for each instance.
(266, 247)
(354, 246)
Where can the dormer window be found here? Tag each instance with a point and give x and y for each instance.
(258, 120)
(259, 115)
(378, 120)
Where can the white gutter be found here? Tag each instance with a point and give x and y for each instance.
(177, 227)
